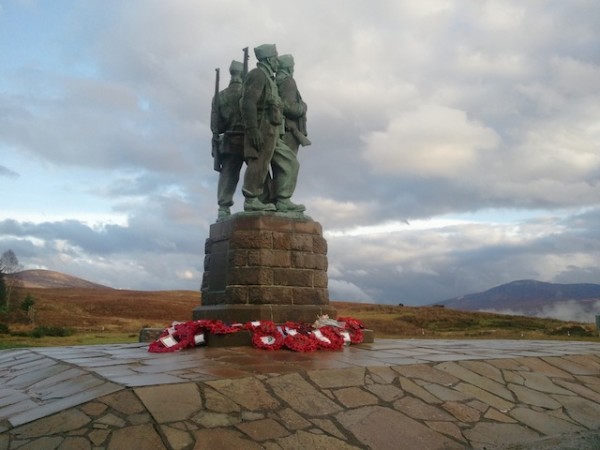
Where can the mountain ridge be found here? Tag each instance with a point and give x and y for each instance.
(530, 297)
(49, 279)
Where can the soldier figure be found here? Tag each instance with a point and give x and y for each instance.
(294, 109)
(262, 118)
(226, 121)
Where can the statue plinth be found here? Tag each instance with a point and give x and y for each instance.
(265, 266)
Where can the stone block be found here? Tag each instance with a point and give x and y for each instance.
(276, 313)
(297, 260)
(368, 336)
(263, 295)
(270, 258)
(265, 222)
(205, 279)
(301, 242)
(319, 245)
(221, 230)
(213, 298)
(236, 295)
(293, 277)
(320, 263)
(282, 241)
(217, 277)
(308, 227)
(251, 276)
(221, 247)
(149, 334)
(310, 296)
(238, 257)
(240, 339)
(320, 279)
(251, 239)
(304, 260)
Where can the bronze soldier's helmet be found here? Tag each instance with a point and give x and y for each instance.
(236, 66)
(286, 61)
(265, 51)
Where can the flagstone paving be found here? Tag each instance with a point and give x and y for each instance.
(391, 394)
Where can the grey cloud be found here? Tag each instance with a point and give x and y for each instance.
(135, 185)
(77, 234)
(149, 253)
(86, 131)
(423, 267)
(341, 290)
(520, 80)
(168, 231)
(6, 172)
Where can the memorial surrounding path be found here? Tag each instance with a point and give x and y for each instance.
(392, 394)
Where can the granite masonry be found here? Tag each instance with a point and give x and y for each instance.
(263, 266)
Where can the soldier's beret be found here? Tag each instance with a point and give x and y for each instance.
(265, 51)
(236, 66)
(286, 61)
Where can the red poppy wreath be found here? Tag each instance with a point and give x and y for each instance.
(329, 338)
(299, 342)
(265, 335)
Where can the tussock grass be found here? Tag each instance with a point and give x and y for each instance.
(103, 316)
(410, 321)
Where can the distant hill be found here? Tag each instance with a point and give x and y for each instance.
(533, 298)
(48, 279)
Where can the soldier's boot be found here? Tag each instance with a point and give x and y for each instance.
(223, 213)
(254, 204)
(286, 205)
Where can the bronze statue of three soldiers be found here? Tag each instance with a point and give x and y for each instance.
(259, 119)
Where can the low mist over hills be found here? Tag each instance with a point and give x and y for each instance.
(580, 301)
(48, 279)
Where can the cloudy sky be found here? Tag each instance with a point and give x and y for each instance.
(456, 144)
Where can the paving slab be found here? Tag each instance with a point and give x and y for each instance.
(544, 423)
(413, 393)
(486, 435)
(533, 397)
(382, 428)
(170, 403)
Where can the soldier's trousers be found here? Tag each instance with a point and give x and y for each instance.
(231, 164)
(285, 166)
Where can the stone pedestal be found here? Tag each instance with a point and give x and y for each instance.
(265, 266)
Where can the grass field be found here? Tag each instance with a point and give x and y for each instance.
(102, 316)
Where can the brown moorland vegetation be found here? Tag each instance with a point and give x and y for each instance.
(112, 315)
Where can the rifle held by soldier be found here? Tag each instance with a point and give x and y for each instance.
(246, 58)
(215, 118)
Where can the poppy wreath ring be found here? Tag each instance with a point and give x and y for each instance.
(267, 340)
(301, 342)
(329, 338)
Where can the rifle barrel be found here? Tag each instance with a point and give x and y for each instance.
(246, 57)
